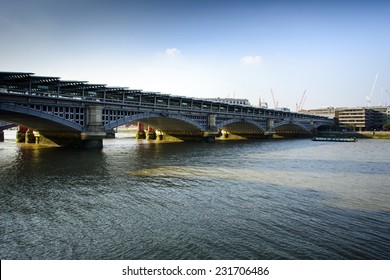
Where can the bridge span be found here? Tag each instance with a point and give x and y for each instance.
(78, 113)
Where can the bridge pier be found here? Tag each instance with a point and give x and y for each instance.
(270, 128)
(21, 134)
(212, 132)
(30, 137)
(140, 131)
(93, 136)
(151, 133)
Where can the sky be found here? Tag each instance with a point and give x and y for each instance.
(331, 50)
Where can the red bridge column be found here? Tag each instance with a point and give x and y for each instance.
(30, 137)
(151, 134)
(140, 131)
(21, 134)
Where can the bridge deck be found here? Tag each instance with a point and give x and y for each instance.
(81, 91)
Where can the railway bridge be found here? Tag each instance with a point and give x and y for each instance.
(77, 113)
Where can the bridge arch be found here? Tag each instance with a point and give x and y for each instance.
(242, 127)
(290, 128)
(165, 122)
(38, 120)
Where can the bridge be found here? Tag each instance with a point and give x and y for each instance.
(77, 113)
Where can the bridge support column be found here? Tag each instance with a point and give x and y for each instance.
(270, 127)
(21, 134)
(212, 132)
(93, 136)
(29, 136)
(1, 136)
(140, 131)
(151, 134)
(313, 128)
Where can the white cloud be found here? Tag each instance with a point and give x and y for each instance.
(172, 52)
(251, 60)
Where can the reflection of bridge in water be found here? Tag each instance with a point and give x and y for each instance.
(81, 114)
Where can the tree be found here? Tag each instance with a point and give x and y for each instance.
(386, 126)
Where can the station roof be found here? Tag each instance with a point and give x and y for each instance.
(23, 80)
(9, 76)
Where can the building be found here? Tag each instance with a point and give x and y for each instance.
(328, 112)
(384, 110)
(361, 119)
(357, 118)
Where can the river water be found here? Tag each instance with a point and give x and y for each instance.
(266, 199)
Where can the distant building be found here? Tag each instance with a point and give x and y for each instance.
(236, 101)
(357, 118)
(383, 109)
(328, 112)
(361, 119)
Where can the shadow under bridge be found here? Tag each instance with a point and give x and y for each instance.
(242, 127)
(176, 125)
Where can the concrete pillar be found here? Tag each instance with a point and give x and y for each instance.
(212, 132)
(313, 128)
(140, 131)
(95, 117)
(93, 136)
(212, 122)
(270, 124)
(270, 128)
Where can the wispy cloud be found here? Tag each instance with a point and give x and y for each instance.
(251, 60)
(172, 52)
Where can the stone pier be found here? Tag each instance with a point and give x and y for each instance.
(212, 132)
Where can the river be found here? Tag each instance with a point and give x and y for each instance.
(266, 199)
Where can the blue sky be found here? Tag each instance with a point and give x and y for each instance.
(331, 49)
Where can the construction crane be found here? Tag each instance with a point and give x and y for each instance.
(368, 98)
(303, 99)
(273, 98)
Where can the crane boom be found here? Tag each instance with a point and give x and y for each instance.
(368, 98)
(303, 99)
(273, 98)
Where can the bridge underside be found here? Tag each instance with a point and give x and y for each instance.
(292, 130)
(244, 129)
(50, 131)
(33, 122)
(173, 127)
